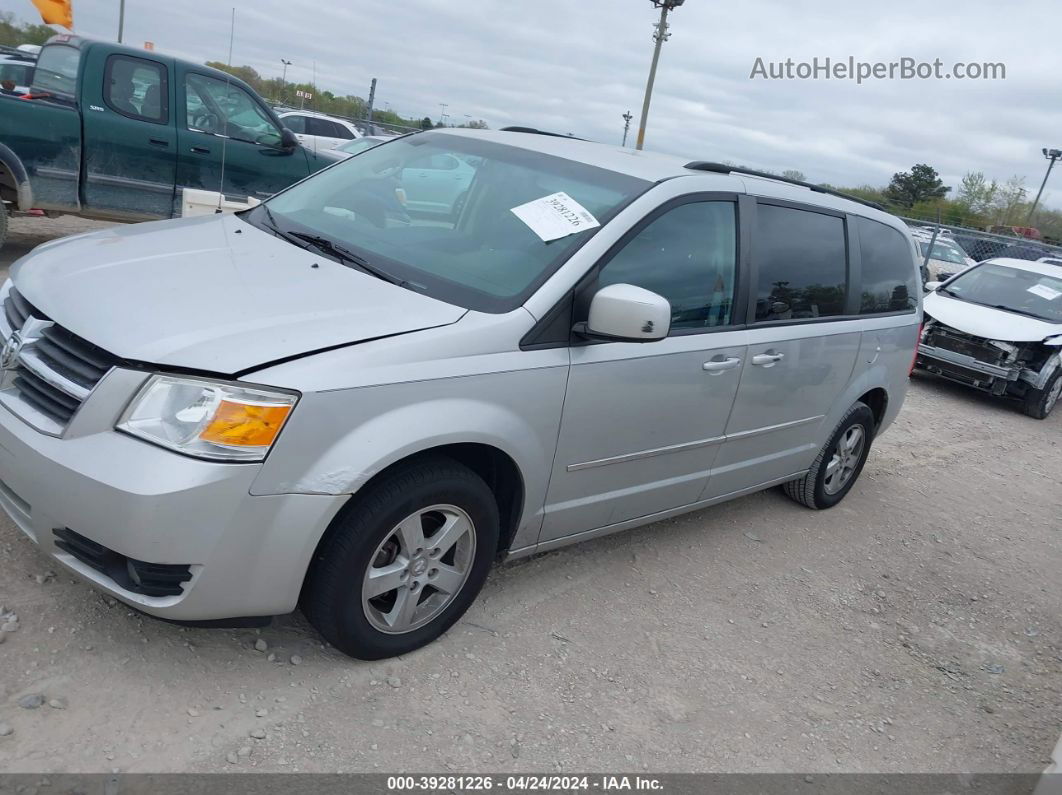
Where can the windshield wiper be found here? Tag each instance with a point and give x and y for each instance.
(345, 255)
(947, 291)
(1015, 311)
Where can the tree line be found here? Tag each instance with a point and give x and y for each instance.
(14, 33)
(280, 92)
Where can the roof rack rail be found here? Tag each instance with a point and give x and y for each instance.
(722, 168)
(533, 131)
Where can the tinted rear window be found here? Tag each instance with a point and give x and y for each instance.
(56, 71)
(889, 279)
(802, 264)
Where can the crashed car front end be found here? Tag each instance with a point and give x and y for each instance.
(996, 366)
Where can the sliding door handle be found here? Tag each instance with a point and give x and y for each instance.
(721, 365)
(200, 150)
(767, 359)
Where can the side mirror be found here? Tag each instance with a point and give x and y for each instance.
(288, 141)
(625, 313)
(931, 286)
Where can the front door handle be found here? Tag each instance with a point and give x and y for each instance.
(200, 150)
(767, 359)
(158, 142)
(721, 365)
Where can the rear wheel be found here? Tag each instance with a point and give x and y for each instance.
(1040, 402)
(838, 464)
(405, 561)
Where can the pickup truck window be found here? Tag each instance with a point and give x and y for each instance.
(56, 71)
(215, 106)
(136, 88)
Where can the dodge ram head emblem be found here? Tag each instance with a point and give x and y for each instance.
(19, 339)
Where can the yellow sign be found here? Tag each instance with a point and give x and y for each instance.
(56, 12)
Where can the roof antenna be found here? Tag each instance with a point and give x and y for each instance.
(314, 104)
(225, 136)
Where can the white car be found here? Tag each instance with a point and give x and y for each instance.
(946, 258)
(316, 130)
(998, 327)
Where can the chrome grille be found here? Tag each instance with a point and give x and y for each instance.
(55, 372)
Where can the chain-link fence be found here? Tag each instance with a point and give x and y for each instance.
(950, 249)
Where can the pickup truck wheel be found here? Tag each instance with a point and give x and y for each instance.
(839, 463)
(3, 223)
(404, 562)
(1039, 402)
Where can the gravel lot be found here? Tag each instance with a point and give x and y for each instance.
(915, 627)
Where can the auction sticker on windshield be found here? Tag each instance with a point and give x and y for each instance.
(1044, 291)
(555, 216)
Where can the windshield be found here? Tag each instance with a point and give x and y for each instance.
(434, 211)
(943, 251)
(1013, 289)
(56, 71)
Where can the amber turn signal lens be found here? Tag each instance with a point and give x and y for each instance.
(245, 425)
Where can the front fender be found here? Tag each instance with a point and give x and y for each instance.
(337, 441)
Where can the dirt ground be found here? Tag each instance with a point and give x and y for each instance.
(915, 627)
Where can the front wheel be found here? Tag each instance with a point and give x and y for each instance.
(405, 561)
(1040, 402)
(838, 464)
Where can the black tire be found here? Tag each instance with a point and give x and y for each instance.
(3, 223)
(1039, 402)
(810, 490)
(332, 595)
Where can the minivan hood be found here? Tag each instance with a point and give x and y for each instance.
(986, 322)
(213, 293)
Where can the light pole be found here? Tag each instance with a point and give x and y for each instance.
(659, 37)
(626, 126)
(1052, 155)
(284, 80)
(121, 19)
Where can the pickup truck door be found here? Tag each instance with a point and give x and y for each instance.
(218, 117)
(130, 139)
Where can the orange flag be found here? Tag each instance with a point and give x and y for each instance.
(56, 12)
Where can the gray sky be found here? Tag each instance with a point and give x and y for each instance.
(577, 66)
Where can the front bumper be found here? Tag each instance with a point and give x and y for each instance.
(247, 554)
(966, 369)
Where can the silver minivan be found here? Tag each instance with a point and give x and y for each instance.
(336, 402)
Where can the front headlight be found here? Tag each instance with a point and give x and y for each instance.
(208, 419)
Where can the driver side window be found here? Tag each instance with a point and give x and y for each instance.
(688, 255)
(216, 106)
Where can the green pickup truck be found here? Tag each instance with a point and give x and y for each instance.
(118, 133)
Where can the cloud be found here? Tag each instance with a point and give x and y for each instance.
(577, 67)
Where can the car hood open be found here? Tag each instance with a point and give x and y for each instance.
(986, 322)
(213, 293)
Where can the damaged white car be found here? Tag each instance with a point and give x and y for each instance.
(998, 327)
